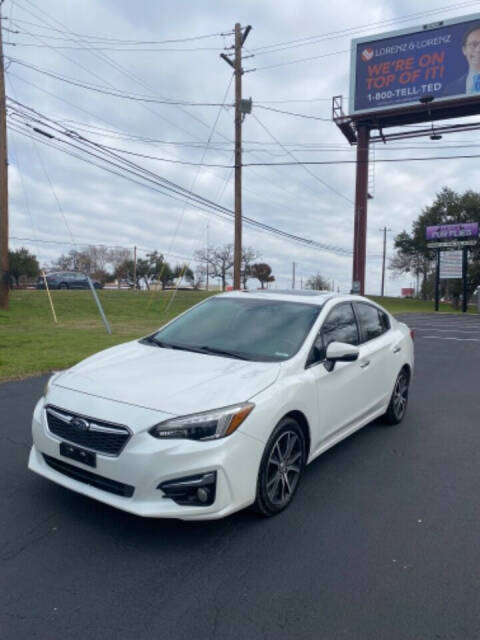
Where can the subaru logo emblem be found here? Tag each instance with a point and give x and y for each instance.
(79, 424)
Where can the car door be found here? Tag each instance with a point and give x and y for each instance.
(81, 281)
(377, 337)
(340, 390)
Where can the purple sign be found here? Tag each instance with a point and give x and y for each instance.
(394, 69)
(441, 232)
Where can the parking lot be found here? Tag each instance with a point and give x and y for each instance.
(381, 542)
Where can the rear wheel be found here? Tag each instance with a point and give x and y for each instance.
(281, 468)
(63, 285)
(399, 400)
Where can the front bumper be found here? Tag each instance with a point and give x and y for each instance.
(146, 462)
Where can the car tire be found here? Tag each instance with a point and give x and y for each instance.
(399, 400)
(63, 285)
(281, 468)
(96, 286)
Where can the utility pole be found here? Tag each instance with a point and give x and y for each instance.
(241, 107)
(385, 229)
(207, 255)
(361, 199)
(135, 268)
(3, 185)
(293, 275)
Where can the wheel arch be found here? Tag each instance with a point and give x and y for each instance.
(302, 421)
(406, 367)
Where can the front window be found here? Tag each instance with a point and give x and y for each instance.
(263, 330)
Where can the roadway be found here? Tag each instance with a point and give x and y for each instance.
(381, 542)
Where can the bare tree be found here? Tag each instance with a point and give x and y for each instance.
(318, 283)
(199, 276)
(219, 261)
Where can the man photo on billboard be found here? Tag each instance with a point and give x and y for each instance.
(469, 82)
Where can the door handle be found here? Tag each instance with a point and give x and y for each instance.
(365, 364)
(397, 349)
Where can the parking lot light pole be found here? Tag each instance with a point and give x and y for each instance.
(4, 284)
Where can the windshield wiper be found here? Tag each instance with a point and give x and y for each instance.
(186, 347)
(158, 343)
(223, 352)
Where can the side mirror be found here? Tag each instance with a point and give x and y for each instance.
(341, 352)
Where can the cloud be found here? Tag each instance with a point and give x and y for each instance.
(102, 208)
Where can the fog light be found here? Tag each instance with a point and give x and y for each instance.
(197, 490)
(203, 495)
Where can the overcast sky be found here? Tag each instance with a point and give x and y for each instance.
(56, 197)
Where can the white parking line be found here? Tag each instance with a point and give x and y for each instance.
(457, 339)
(447, 330)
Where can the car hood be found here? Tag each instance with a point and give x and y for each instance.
(168, 380)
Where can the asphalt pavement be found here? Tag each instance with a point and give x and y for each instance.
(382, 540)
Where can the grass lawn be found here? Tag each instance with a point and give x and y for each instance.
(31, 343)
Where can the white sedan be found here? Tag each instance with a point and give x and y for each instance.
(223, 407)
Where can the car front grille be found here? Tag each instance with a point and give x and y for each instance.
(93, 479)
(103, 437)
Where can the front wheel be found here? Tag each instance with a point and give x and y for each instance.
(281, 468)
(399, 400)
(63, 285)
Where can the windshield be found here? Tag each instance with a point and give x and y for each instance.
(265, 330)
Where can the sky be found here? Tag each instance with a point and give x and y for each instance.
(58, 202)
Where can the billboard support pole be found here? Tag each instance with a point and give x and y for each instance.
(464, 278)
(437, 282)
(361, 198)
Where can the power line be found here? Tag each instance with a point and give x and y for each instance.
(166, 184)
(93, 244)
(279, 46)
(119, 94)
(124, 41)
(276, 183)
(290, 113)
(130, 50)
(325, 184)
(285, 64)
(105, 58)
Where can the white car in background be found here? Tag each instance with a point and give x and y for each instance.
(223, 407)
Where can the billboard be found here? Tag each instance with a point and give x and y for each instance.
(396, 69)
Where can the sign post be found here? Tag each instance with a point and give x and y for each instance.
(445, 239)
(464, 277)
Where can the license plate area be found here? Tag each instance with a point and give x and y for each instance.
(80, 455)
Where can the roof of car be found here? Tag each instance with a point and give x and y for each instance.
(291, 295)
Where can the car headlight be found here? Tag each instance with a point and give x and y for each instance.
(208, 425)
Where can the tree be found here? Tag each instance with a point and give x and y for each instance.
(117, 257)
(159, 269)
(414, 256)
(199, 276)
(22, 265)
(318, 283)
(184, 272)
(219, 261)
(262, 272)
(248, 256)
(93, 258)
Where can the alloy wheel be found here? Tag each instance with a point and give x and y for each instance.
(400, 396)
(284, 467)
